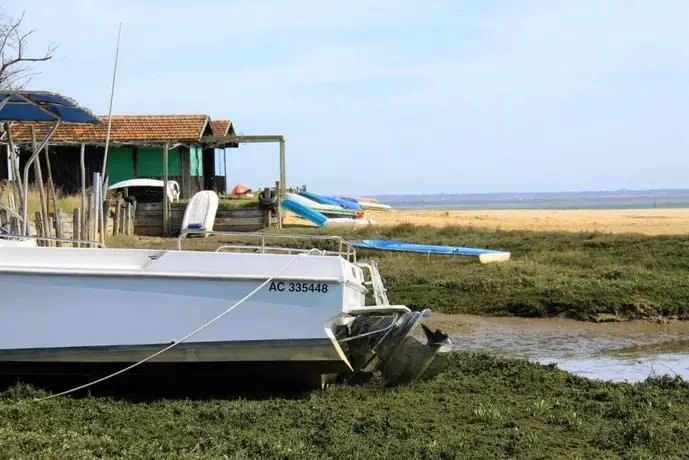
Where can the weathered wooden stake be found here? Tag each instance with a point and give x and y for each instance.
(39, 229)
(84, 212)
(76, 227)
(117, 218)
(166, 214)
(38, 183)
(130, 220)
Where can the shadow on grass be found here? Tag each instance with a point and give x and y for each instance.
(150, 388)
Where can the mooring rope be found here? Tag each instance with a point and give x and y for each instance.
(191, 334)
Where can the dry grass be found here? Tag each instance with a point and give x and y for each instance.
(645, 221)
(65, 202)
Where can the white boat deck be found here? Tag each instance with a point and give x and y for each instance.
(170, 263)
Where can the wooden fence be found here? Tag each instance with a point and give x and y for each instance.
(149, 218)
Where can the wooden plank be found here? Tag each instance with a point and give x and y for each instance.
(153, 221)
(149, 206)
(241, 213)
(239, 221)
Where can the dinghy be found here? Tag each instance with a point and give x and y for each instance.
(200, 211)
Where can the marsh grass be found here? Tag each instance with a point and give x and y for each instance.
(482, 407)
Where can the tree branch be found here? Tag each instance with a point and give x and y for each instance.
(13, 59)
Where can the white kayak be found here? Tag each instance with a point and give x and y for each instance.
(375, 206)
(343, 222)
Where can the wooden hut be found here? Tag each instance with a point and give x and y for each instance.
(135, 150)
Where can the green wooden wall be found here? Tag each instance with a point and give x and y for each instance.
(120, 164)
(149, 163)
(196, 161)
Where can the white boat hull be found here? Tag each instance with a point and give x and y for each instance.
(70, 311)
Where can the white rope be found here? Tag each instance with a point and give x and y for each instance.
(174, 344)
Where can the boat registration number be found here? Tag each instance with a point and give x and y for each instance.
(298, 287)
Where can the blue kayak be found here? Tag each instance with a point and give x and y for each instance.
(322, 199)
(304, 211)
(485, 255)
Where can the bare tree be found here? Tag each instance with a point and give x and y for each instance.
(15, 64)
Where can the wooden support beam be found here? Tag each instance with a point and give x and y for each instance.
(166, 210)
(84, 213)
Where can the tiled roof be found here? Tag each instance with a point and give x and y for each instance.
(135, 128)
(222, 127)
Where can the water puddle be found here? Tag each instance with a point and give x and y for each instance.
(630, 351)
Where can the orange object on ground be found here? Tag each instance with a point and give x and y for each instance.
(240, 189)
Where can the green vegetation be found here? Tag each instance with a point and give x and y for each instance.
(668, 346)
(577, 275)
(483, 407)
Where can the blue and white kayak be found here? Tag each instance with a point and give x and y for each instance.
(483, 255)
(323, 199)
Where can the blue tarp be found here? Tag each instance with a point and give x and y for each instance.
(59, 107)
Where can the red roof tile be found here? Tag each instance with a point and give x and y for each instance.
(222, 127)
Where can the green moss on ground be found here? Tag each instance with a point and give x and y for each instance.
(483, 407)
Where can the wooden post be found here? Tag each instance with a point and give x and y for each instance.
(51, 185)
(57, 221)
(130, 219)
(39, 229)
(38, 183)
(118, 217)
(279, 206)
(166, 216)
(131, 210)
(84, 213)
(76, 226)
(93, 212)
(283, 177)
(125, 220)
(283, 183)
(224, 167)
(104, 215)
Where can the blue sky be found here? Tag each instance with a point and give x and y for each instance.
(399, 96)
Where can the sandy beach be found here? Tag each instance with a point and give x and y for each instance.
(646, 221)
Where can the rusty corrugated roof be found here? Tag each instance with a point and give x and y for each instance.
(125, 128)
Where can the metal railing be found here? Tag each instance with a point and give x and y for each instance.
(379, 290)
(344, 248)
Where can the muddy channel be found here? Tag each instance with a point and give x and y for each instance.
(612, 351)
